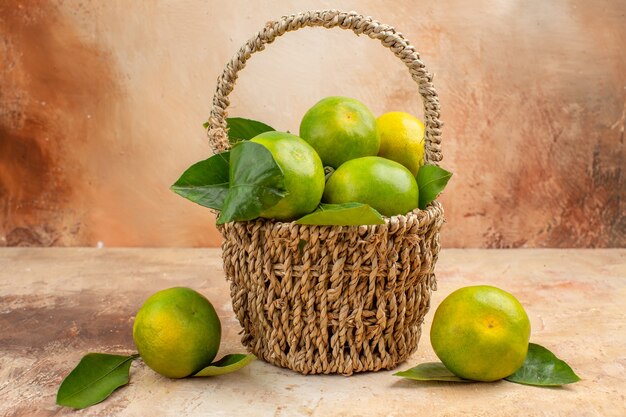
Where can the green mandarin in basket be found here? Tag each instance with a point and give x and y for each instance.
(303, 171)
(385, 185)
(340, 129)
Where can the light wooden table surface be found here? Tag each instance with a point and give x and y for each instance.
(58, 304)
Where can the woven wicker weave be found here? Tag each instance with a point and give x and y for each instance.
(332, 299)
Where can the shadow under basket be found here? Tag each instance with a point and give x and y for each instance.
(332, 299)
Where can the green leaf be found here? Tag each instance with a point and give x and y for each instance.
(244, 129)
(431, 180)
(226, 365)
(347, 214)
(430, 371)
(95, 377)
(256, 183)
(301, 245)
(543, 368)
(205, 182)
(205, 125)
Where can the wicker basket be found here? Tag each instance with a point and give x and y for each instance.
(332, 299)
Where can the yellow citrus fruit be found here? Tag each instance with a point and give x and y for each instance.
(385, 185)
(304, 174)
(401, 139)
(340, 129)
(481, 333)
(177, 332)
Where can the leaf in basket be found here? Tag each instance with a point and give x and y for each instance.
(245, 129)
(301, 245)
(431, 180)
(430, 371)
(543, 368)
(205, 182)
(256, 183)
(226, 365)
(347, 214)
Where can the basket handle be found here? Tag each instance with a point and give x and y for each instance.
(387, 35)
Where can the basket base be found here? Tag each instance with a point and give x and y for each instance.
(345, 364)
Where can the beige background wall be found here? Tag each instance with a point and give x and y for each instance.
(102, 102)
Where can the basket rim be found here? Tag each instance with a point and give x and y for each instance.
(432, 212)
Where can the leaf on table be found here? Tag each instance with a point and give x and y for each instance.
(431, 181)
(543, 368)
(206, 182)
(347, 214)
(256, 183)
(95, 377)
(431, 371)
(226, 365)
(245, 129)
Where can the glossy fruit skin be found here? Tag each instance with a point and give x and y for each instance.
(385, 185)
(177, 332)
(304, 175)
(340, 129)
(481, 333)
(401, 139)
